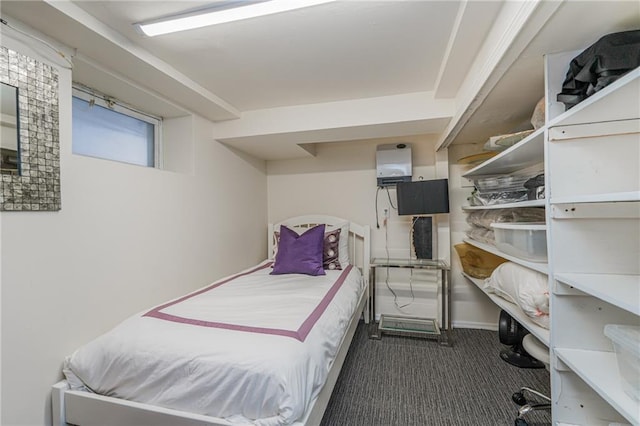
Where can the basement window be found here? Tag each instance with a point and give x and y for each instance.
(105, 128)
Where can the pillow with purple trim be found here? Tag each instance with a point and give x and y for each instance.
(300, 254)
(330, 250)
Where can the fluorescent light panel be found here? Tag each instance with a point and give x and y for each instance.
(206, 18)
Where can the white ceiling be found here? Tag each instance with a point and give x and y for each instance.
(335, 51)
(331, 60)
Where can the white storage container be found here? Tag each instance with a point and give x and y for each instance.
(525, 240)
(626, 343)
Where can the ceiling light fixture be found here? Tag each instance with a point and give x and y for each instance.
(208, 17)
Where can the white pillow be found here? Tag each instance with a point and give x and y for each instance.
(524, 287)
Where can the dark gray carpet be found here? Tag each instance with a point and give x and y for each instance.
(408, 381)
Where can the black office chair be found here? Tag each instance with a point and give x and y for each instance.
(525, 351)
(526, 406)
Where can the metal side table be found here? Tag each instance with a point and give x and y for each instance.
(418, 327)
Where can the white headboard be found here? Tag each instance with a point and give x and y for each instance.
(359, 237)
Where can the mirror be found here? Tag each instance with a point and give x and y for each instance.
(9, 133)
(32, 180)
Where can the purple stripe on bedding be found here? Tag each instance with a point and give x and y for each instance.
(262, 330)
(204, 290)
(300, 334)
(308, 324)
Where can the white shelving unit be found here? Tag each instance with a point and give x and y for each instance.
(531, 203)
(536, 266)
(593, 227)
(591, 157)
(540, 333)
(526, 154)
(604, 379)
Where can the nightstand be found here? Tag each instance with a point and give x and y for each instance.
(412, 326)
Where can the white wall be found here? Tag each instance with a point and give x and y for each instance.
(341, 181)
(127, 237)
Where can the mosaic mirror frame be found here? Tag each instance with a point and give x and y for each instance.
(37, 188)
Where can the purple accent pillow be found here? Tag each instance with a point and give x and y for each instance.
(330, 250)
(300, 254)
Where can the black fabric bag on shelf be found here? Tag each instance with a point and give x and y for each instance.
(600, 65)
(535, 187)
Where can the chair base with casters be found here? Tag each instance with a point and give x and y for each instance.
(527, 406)
(541, 402)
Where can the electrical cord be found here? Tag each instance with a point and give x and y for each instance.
(50, 46)
(377, 220)
(386, 247)
(413, 296)
(390, 202)
(386, 281)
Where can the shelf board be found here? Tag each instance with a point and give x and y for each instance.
(531, 203)
(622, 291)
(536, 266)
(599, 370)
(614, 197)
(527, 152)
(409, 325)
(618, 101)
(601, 210)
(514, 310)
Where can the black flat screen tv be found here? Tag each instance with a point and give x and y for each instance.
(423, 197)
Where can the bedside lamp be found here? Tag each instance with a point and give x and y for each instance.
(422, 199)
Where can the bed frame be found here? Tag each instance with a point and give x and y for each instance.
(87, 409)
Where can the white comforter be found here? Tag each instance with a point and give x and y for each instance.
(253, 348)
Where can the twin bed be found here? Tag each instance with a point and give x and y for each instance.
(263, 346)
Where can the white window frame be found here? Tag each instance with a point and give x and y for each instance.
(91, 95)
